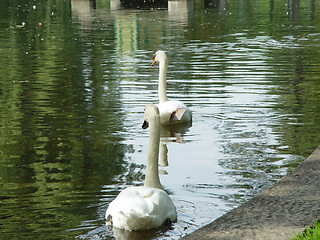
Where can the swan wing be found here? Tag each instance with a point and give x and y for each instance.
(141, 208)
(177, 115)
(173, 112)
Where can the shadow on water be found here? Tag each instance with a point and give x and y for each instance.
(144, 4)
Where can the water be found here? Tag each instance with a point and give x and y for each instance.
(75, 77)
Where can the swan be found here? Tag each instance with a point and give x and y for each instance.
(149, 206)
(171, 112)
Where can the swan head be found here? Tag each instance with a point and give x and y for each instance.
(159, 56)
(151, 114)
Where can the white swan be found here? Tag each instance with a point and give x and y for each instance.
(171, 112)
(148, 206)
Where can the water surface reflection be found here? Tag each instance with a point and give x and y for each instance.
(75, 77)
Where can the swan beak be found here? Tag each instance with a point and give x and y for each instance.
(145, 124)
(154, 62)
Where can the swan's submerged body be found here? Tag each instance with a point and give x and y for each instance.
(148, 206)
(141, 208)
(171, 112)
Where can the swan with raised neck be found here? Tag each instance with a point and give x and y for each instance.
(144, 207)
(152, 120)
(171, 112)
(161, 58)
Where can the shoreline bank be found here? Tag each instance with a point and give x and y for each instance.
(279, 212)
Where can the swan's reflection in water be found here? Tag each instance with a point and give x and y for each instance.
(174, 133)
(121, 234)
(163, 158)
(169, 134)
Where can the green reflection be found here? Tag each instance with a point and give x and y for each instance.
(61, 110)
(60, 121)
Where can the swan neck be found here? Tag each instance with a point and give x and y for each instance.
(152, 174)
(163, 65)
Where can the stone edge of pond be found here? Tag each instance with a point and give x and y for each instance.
(278, 212)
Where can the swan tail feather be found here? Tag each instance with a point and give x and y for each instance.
(134, 221)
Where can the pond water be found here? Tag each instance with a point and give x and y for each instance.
(74, 79)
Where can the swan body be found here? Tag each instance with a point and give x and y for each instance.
(149, 206)
(174, 112)
(141, 208)
(171, 112)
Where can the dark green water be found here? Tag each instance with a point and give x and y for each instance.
(74, 79)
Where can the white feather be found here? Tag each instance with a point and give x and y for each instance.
(148, 206)
(141, 208)
(171, 112)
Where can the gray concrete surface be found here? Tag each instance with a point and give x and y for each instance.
(279, 212)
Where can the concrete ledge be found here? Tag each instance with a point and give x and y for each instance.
(279, 212)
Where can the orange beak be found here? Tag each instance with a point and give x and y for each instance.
(154, 63)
